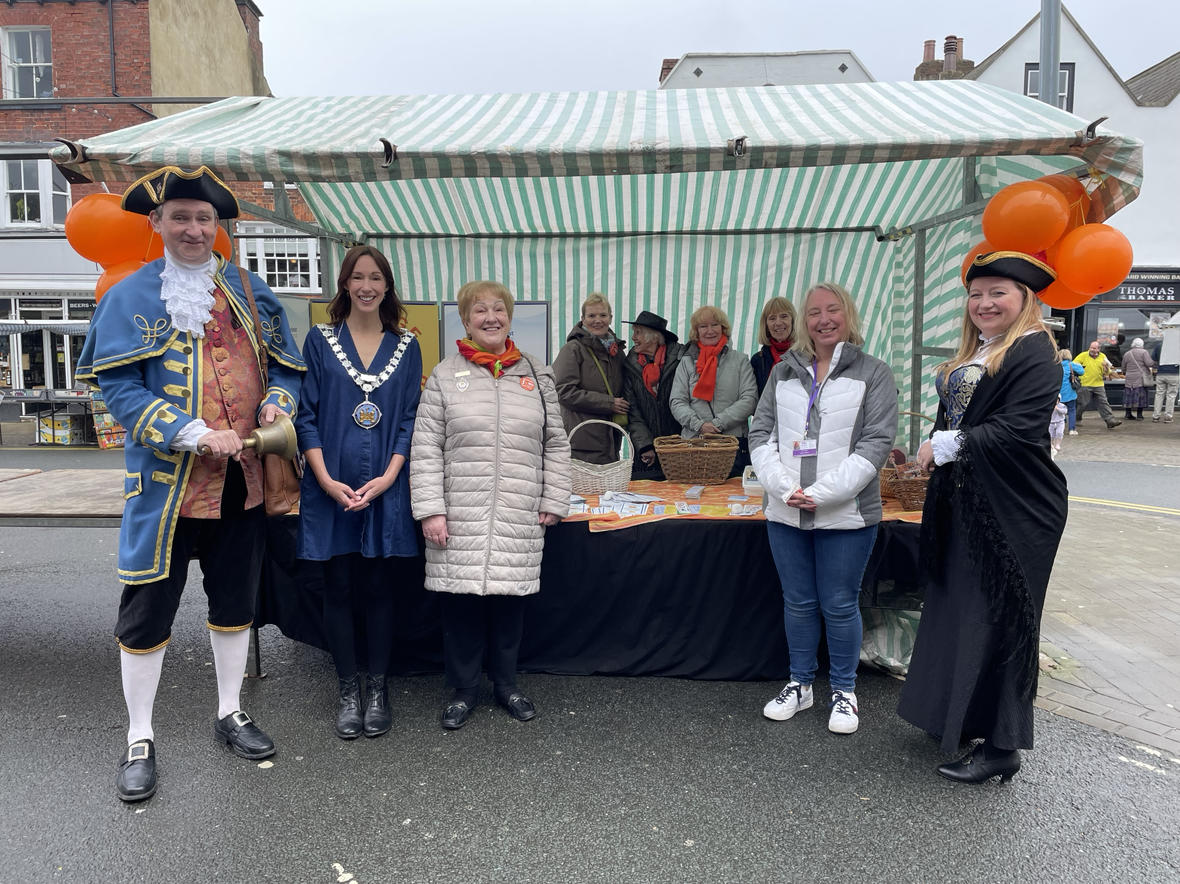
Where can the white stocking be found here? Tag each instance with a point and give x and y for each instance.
(141, 677)
(229, 659)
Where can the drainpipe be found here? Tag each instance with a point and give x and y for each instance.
(1050, 62)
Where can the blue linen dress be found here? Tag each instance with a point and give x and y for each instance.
(354, 455)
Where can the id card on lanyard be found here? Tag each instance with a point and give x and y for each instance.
(808, 446)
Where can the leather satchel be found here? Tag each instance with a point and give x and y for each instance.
(280, 475)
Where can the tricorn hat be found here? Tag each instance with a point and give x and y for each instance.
(650, 320)
(1018, 266)
(173, 183)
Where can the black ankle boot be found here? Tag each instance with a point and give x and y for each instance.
(1129, 416)
(1139, 414)
(348, 714)
(378, 719)
(981, 764)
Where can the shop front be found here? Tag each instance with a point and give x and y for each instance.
(41, 338)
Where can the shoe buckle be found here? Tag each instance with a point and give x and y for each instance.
(241, 719)
(138, 751)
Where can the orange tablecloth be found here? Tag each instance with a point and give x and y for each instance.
(714, 503)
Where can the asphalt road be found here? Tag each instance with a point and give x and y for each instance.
(645, 780)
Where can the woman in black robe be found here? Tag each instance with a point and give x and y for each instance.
(995, 510)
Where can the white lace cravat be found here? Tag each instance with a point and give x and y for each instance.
(184, 289)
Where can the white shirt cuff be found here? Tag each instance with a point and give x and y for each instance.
(189, 435)
(946, 445)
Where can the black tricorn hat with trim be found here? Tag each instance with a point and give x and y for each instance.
(173, 183)
(650, 320)
(1023, 268)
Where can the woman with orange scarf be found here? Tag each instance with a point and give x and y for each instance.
(648, 373)
(714, 390)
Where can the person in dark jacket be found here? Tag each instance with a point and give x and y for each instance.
(647, 386)
(776, 333)
(589, 372)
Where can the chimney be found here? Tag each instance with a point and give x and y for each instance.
(928, 51)
(950, 48)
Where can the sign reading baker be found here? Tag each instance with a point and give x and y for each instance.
(1155, 286)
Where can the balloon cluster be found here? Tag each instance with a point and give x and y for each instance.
(100, 230)
(1046, 218)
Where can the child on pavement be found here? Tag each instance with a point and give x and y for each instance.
(1057, 427)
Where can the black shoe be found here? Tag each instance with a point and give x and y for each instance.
(348, 712)
(1128, 416)
(378, 719)
(242, 735)
(518, 705)
(977, 767)
(136, 780)
(456, 713)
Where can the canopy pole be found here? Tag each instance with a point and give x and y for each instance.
(916, 342)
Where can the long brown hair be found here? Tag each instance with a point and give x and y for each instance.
(391, 310)
(1029, 319)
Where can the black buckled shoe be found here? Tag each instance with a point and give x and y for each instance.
(136, 780)
(979, 766)
(456, 713)
(518, 705)
(348, 711)
(242, 735)
(378, 719)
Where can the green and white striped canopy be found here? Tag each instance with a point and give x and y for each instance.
(663, 200)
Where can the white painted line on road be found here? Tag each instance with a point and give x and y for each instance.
(1143, 765)
(1122, 504)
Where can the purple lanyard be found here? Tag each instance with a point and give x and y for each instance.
(811, 399)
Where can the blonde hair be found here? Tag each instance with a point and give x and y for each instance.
(714, 313)
(1065, 355)
(803, 342)
(597, 298)
(1029, 319)
(773, 306)
(472, 290)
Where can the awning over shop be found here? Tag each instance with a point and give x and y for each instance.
(61, 327)
(663, 200)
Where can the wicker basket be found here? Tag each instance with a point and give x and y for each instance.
(886, 475)
(595, 478)
(705, 460)
(909, 486)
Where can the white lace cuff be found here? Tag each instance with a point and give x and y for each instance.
(189, 435)
(946, 445)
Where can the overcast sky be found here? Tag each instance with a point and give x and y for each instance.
(364, 47)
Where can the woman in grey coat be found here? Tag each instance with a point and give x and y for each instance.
(714, 390)
(1137, 366)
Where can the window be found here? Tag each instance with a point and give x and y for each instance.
(1065, 77)
(287, 263)
(28, 63)
(36, 194)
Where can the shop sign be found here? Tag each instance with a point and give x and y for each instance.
(1158, 286)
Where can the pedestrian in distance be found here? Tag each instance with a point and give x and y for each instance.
(1095, 370)
(1071, 374)
(995, 510)
(823, 429)
(1137, 368)
(356, 420)
(176, 350)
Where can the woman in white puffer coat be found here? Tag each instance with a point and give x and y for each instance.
(489, 471)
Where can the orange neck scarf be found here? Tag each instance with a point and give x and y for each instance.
(495, 363)
(707, 369)
(652, 366)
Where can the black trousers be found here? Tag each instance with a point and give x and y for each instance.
(358, 611)
(230, 551)
(477, 624)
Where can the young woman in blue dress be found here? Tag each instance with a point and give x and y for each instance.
(355, 422)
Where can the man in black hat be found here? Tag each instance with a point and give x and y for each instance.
(178, 350)
(647, 385)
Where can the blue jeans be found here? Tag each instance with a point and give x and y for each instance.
(1071, 408)
(820, 571)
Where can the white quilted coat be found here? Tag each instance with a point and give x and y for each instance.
(477, 459)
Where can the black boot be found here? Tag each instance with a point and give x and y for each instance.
(378, 719)
(348, 714)
(982, 763)
(1139, 414)
(1127, 414)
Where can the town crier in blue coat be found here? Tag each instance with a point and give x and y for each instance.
(176, 350)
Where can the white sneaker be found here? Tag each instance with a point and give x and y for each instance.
(843, 719)
(790, 700)
(1073, 432)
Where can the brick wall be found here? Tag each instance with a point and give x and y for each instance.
(82, 68)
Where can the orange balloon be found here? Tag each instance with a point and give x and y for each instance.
(114, 274)
(223, 244)
(1093, 259)
(99, 230)
(980, 248)
(1062, 298)
(1025, 217)
(1075, 194)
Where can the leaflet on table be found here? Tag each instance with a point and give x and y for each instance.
(613, 497)
(622, 510)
